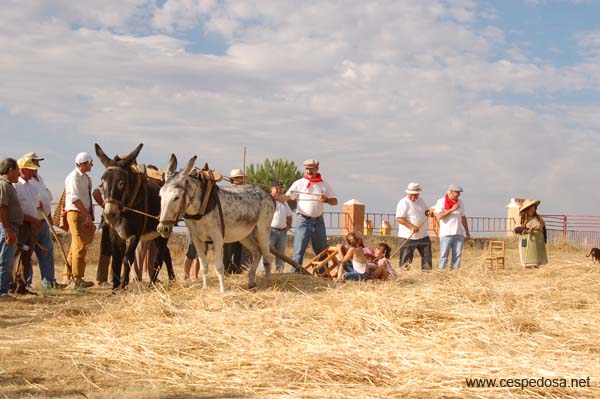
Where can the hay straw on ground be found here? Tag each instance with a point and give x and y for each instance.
(419, 336)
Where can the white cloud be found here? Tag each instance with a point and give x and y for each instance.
(387, 92)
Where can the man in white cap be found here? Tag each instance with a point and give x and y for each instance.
(411, 215)
(310, 192)
(80, 217)
(450, 211)
(44, 251)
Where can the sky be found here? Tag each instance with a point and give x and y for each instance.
(500, 97)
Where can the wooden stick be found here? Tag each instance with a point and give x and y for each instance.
(408, 239)
(289, 260)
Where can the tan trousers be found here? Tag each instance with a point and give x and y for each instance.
(81, 237)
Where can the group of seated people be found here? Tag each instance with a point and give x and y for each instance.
(364, 263)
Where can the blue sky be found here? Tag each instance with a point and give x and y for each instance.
(501, 97)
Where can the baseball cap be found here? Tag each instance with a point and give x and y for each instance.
(454, 187)
(83, 157)
(26, 163)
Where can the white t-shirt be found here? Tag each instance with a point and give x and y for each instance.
(44, 193)
(308, 197)
(451, 224)
(282, 211)
(77, 186)
(28, 197)
(414, 212)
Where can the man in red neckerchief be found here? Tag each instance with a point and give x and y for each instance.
(310, 192)
(450, 211)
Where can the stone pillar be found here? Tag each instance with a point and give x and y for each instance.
(354, 217)
(512, 215)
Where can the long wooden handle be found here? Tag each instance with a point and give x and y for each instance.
(289, 260)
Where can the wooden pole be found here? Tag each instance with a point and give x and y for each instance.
(289, 260)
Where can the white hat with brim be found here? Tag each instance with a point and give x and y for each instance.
(413, 188)
(236, 173)
(528, 204)
(34, 156)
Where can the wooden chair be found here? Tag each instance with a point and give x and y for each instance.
(495, 257)
(325, 264)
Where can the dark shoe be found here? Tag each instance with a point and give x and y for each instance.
(81, 283)
(25, 291)
(59, 286)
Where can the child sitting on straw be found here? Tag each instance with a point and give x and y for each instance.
(357, 269)
(382, 267)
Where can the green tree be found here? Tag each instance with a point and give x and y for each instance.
(278, 169)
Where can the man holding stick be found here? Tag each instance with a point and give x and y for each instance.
(411, 215)
(45, 250)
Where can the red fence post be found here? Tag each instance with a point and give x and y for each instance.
(565, 227)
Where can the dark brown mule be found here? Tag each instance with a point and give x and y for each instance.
(131, 208)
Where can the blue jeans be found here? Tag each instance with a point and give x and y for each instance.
(356, 276)
(312, 229)
(278, 241)
(45, 260)
(454, 243)
(7, 257)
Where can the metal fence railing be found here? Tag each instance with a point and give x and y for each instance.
(583, 230)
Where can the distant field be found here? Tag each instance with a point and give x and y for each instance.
(420, 336)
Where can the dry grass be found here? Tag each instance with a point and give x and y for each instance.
(417, 337)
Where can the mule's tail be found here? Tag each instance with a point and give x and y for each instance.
(591, 250)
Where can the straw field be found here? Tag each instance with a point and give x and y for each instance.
(420, 336)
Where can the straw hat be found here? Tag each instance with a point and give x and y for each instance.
(236, 173)
(528, 203)
(34, 156)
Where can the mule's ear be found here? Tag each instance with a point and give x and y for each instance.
(106, 161)
(188, 168)
(205, 167)
(171, 167)
(132, 156)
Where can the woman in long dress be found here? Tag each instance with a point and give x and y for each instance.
(532, 231)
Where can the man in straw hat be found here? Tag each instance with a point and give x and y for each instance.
(311, 192)
(80, 216)
(45, 251)
(450, 211)
(532, 245)
(411, 215)
(11, 217)
(234, 253)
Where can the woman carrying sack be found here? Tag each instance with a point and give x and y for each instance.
(532, 231)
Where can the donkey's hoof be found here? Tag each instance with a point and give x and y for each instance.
(251, 286)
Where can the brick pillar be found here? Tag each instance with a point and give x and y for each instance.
(354, 217)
